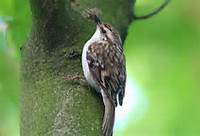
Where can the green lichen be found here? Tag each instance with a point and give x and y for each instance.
(50, 105)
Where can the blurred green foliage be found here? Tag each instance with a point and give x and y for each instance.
(15, 22)
(163, 57)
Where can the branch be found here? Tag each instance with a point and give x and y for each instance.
(152, 13)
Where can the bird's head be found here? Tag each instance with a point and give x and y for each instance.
(106, 30)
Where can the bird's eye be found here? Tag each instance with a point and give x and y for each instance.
(103, 31)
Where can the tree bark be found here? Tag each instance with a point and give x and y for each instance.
(51, 105)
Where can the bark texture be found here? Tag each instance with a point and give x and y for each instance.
(51, 105)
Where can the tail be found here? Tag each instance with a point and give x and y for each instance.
(109, 115)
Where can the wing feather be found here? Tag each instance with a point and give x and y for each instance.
(106, 62)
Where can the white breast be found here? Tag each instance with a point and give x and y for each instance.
(86, 71)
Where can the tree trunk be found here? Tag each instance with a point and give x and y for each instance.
(51, 105)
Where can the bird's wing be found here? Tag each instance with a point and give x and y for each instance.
(106, 63)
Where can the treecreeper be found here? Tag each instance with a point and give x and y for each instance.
(103, 63)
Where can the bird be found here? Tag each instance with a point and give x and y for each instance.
(104, 68)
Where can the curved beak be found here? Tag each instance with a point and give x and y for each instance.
(97, 20)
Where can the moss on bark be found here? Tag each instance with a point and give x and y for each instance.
(50, 105)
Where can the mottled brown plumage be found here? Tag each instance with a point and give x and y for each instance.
(103, 63)
(107, 64)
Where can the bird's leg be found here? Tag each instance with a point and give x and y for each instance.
(77, 78)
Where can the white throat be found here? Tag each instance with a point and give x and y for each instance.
(96, 37)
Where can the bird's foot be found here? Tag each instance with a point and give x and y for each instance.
(76, 78)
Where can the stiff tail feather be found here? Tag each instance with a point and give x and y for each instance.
(109, 115)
